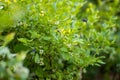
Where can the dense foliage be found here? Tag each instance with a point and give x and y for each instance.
(109, 16)
(53, 39)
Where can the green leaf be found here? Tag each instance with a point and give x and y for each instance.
(8, 38)
(21, 56)
(46, 38)
(37, 58)
(24, 40)
(100, 62)
(64, 49)
(66, 56)
(34, 34)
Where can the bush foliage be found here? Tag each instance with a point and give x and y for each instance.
(53, 39)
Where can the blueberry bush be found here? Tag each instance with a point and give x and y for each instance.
(52, 39)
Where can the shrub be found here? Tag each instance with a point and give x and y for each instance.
(60, 37)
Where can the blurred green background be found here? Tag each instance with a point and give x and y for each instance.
(109, 12)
